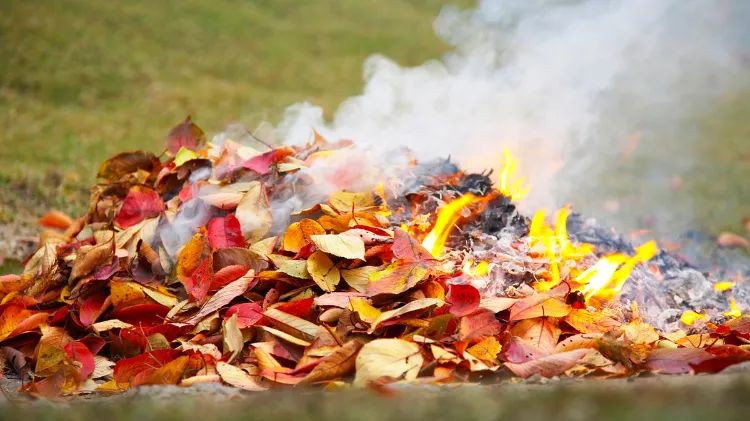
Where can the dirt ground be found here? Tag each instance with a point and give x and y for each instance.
(722, 396)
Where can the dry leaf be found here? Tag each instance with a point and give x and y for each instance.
(393, 358)
(238, 377)
(341, 245)
(254, 213)
(323, 271)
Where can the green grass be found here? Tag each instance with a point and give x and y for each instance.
(81, 80)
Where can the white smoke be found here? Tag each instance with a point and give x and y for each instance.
(560, 83)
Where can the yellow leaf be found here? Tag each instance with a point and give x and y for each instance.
(285, 321)
(341, 245)
(125, 293)
(359, 278)
(323, 271)
(263, 247)
(233, 340)
(362, 307)
(184, 155)
(106, 325)
(408, 308)
(254, 213)
(347, 201)
(285, 336)
(298, 234)
(394, 358)
(169, 373)
(486, 349)
(238, 377)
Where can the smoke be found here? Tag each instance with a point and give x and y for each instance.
(568, 86)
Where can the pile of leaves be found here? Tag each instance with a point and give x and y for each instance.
(123, 297)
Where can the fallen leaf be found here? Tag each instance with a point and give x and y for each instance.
(539, 305)
(346, 246)
(344, 201)
(195, 266)
(126, 163)
(479, 324)
(486, 349)
(128, 368)
(548, 366)
(323, 271)
(248, 314)
(586, 321)
(542, 332)
(77, 351)
(676, 360)
(298, 234)
(393, 358)
(397, 278)
(88, 260)
(358, 278)
(254, 213)
(232, 335)
(410, 307)
(406, 248)
(729, 239)
(300, 327)
(222, 297)
(338, 364)
(225, 232)
(140, 203)
(55, 219)
(238, 377)
(185, 135)
(463, 299)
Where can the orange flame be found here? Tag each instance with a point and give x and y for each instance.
(510, 184)
(734, 310)
(447, 217)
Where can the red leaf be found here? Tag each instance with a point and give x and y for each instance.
(676, 360)
(91, 308)
(262, 163)
(142, 314)
(300, 308)
(463, 299)
(139, 334)
(248, 314)
(128, 368)
(77, 351)
(723, 357)
(406, 248)
(479, 324)
(520, 351)
(186, 134)
(227, 274)
(140, 203)
(225, 232)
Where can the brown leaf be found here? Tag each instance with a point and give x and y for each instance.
(539, 305)
(550, 365)
(88, 260)
(542, 332)
(335, 365)
(126, 163)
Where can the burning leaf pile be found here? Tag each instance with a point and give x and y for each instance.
(203, 266)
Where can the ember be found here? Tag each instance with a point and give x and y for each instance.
(224, 263)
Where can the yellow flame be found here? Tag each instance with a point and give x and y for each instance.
(555, 244)
(605, 279)
(447, 217)
(734, 309)
(689, 317)
(511, 185)
(481, 269)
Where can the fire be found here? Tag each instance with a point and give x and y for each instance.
(605, 279)
(689, 317)
(510, 184)
(447, 217)
(481, 269)
(734, 310)
(555, 244)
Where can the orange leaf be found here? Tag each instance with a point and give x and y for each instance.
(195, 266)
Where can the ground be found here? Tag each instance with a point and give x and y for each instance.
(81, 80)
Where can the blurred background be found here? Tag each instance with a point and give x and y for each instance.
(81, 80)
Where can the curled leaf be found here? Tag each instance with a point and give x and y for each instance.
(392, 358)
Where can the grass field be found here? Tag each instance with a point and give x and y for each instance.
(81, 80)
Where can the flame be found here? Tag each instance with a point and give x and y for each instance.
(734, 310)
(510, 184)
(481, 269)
(555, 244)
(447, 217)
(605, 279)
(723, 286)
